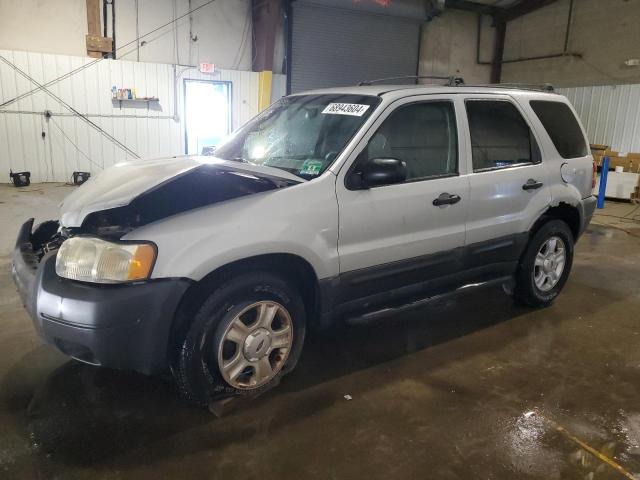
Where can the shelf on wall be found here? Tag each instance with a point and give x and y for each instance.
(146, 101)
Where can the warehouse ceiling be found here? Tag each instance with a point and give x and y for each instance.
(505, 10)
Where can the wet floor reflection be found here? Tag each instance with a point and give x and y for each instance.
(81, 415)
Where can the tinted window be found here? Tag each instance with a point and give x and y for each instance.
(499, 135)
(423, 135)
(562, 126)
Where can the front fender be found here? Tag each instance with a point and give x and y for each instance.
(301, 220)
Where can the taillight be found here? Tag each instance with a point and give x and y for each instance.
(593, 177)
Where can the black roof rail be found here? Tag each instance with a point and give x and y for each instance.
(451, 80)
(538, 87)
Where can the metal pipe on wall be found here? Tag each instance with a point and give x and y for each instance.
(113, 29)
(104, 18)
(568, 29)
(137, 32)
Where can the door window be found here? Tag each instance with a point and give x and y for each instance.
(500, 137)
(423, 135)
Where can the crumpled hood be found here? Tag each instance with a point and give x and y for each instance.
(162, 187)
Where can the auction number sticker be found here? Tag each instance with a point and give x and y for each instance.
(354, 109)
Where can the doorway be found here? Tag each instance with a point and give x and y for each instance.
(207, 111)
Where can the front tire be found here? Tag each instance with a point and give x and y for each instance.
(246, 335)
(545, 265)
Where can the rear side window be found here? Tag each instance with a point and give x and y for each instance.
(500, 137)
(562, 126)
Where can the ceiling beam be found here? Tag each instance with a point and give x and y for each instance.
(469, 6)
(524, 7)
(503, 14)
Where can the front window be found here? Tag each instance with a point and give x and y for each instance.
(423, 135)
(302, 134)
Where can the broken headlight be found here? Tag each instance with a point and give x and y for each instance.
(90, 259)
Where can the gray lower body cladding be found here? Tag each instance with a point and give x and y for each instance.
(587, 207)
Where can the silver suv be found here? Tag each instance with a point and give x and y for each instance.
(344, 204)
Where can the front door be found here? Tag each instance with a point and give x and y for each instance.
(399, 235)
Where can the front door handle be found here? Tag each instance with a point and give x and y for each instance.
(446, 199)
(531, 184)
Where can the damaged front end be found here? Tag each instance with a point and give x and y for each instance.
(31, 247)
(204, 185)
(47, 237)
(96, 310)
(119, 326)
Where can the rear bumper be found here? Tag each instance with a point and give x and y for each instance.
(118, 326)
(587, 206)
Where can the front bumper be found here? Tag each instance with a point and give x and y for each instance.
(118, 326)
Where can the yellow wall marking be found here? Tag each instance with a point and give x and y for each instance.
(264, 89)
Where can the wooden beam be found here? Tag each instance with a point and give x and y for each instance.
(93, 17)
(93, 25)
(99, 44)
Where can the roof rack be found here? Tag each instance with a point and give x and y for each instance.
(541, 87)
(451, 81)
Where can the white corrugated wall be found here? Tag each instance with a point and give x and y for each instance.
(610, 114)
(69, 143)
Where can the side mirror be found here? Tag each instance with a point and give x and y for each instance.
(380, 171)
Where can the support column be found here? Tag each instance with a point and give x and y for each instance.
(498, 51)
(265, 15)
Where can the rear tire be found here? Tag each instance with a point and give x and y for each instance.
(245, 336)
(545, 265)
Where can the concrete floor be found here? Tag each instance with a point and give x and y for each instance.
(471, 388)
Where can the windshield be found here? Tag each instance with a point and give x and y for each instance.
(302, 135)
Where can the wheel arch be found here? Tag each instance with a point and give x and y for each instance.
(568, 213)
(293, 268)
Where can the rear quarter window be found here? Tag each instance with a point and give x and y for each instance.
(562, 127)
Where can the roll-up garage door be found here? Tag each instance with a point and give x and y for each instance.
(333, 46)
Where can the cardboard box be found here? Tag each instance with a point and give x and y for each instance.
(618, 162)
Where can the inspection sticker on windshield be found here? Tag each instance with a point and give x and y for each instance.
(354, 109)
(311, 167)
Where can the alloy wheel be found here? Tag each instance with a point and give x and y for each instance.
(255, 345)
(549, 264)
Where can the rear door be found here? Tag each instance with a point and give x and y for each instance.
(394, 236)
(509, 185)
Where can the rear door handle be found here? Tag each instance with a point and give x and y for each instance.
(531, 184)
(446, 199)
